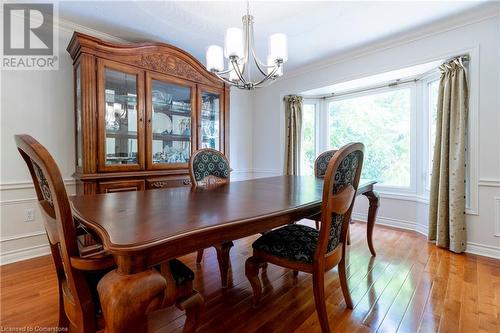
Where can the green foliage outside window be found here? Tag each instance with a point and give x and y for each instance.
(308, 144)
(381, 121)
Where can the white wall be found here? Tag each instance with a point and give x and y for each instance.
(40, 103)
(241, 134)
(482, 38)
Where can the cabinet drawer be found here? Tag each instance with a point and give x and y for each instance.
(164, 182)
(121, 186)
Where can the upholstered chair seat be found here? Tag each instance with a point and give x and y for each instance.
(293, 242)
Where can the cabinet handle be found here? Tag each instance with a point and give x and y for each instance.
(159, 184)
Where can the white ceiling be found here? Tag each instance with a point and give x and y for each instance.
(316, 30)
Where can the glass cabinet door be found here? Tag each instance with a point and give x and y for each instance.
(122, 116)
(170, 110)
(210, 120)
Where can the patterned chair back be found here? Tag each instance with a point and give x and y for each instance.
(339, 190)
(208, 166)
(58, 221)
(321, 163)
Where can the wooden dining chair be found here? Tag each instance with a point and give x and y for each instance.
(79, 272)
(320, 166)
(302, 248)
(209, 167)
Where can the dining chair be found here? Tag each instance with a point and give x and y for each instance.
(209, 167)
(320, 166)
(78, 274)
(303, 248)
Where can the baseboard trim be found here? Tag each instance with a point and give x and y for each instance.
(472, 248)
(387, 221)
(12, 256)
(422, 229)
(483, 250)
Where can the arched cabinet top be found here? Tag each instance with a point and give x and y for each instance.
(158, 57)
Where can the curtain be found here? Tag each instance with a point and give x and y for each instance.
(447, 196)
(293, 125)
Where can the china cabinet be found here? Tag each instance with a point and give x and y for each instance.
(141, 110)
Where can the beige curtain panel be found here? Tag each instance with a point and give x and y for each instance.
(447, 198)
(293, 125)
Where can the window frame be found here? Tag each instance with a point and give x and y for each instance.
(428, 150)
(316, 103)
(412, 86)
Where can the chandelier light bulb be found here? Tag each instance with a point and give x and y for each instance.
(215, 59)
(278, 47)
(233, 43)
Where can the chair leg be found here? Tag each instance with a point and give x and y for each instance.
(344, 285)
(295, 273)
(252, 266)
(319, 300)
(223, 259)
(193, 307)
(199, 256)
(63, 319)
(317, 224)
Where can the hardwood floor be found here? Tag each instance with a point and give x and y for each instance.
(411, 286)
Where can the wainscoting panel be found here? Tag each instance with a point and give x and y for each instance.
(497, 216)
(20, 240)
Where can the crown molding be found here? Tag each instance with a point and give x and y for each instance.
(483, 13)
(71, 27)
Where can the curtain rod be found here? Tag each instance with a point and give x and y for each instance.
(392, 84)
(464, 57)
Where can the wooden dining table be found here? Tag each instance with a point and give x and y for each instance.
(145, 228)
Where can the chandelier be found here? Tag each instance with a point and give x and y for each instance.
(239, 48)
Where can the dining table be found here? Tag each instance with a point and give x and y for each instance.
(142, 229)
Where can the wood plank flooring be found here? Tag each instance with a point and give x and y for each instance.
(411, 286)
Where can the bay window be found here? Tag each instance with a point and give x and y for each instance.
(394, 114)
(381, 120)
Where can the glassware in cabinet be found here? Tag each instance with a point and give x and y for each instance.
(171, 123)
(210, 120)
(121, 113)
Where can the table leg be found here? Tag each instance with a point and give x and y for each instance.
(374, 200)
(127, 299)
(223, 259)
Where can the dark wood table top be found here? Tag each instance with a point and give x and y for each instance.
(137, 220)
